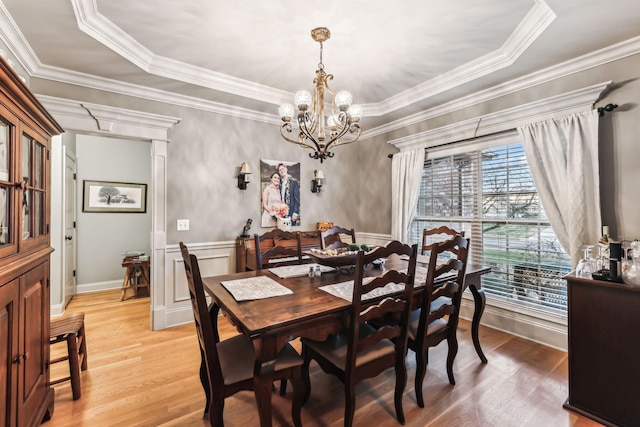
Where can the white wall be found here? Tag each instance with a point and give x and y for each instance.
(103, 237)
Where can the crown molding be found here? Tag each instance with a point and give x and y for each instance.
(534, 23)
(555, 106)
(15, 41)
(97, 26)
(94, 24)
(13, 38)
(142, 92)
(576, 65)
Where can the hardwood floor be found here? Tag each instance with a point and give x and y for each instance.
(138, 377)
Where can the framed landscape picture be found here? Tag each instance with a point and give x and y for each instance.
(107, 196)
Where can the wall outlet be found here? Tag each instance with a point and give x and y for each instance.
(183, 225)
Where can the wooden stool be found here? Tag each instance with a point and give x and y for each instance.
(136, 275)
(70, 328)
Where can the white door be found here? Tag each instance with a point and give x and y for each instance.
(70, 219)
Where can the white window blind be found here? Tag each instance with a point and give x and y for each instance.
(489, 193)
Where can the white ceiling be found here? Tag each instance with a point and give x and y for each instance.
(397, 58)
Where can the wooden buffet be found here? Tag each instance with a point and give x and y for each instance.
(246, 256)
(604, 350)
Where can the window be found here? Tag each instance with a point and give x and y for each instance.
(488, 191)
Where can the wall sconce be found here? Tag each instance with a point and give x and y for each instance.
(316, 183)
(243, 176)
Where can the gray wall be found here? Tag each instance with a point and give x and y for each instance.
(103, 237)
(207, 149)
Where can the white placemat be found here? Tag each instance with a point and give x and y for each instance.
(344, 290)
(300, 270)
(253, 288)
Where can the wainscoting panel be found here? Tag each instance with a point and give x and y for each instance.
(214, 258)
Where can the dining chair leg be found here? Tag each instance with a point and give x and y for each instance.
(305, 376)
(204, 380)
(283, 387)
(216, 410)
(421, 371)
(349, 402)
(297, 381)
(401, 383)
(452, 342)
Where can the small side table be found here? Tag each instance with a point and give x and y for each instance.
(136, 275)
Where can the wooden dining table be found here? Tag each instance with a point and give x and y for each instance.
(308, 312)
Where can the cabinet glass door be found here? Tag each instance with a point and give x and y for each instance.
(33, 202)
(6, 187)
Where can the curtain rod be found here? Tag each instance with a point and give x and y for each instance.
(601, 111)
(500, 132)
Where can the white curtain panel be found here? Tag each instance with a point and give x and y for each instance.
(563, 157)
(406, 172)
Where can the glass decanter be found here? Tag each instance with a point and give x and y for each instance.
(586, 266)
(631, 269)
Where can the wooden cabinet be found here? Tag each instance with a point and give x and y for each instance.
(26, 397)
(604, 350)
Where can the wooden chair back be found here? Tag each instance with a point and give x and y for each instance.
(398, 307)
(438, 317)
(206, 322)
(436, 235)
(279, 245)
(330, 239)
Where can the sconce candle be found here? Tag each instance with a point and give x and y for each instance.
(317, 182)
(243, 176)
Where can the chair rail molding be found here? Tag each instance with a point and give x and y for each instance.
(94, 119)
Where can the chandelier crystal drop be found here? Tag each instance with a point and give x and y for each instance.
(317, 131)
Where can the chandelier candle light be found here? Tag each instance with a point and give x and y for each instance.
(344, 117)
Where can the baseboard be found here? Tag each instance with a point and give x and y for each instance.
(56, 310)
(542, 330)
(85, 288)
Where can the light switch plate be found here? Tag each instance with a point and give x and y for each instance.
(183, 225)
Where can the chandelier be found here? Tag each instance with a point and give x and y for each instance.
(317, 132)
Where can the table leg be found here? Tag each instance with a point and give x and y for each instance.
(262, 382)
(479, 300)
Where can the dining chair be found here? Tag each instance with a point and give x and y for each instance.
(363, 351)
(433, 235)
(437, 317)
(282, 248)
(227, 366)
(330, 239)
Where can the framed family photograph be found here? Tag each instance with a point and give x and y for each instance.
(280, 193)
(120, 197)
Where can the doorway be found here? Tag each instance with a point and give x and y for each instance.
(92, 119)
(119, 167)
